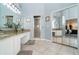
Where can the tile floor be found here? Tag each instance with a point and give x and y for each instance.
(46, 47)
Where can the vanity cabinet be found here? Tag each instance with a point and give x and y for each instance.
(57, 32)
(25, 38)
(12, 45)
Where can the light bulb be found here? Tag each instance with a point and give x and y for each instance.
(13, 6)
(9, 3)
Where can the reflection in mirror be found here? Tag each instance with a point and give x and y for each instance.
(9, 21)
(71, 27)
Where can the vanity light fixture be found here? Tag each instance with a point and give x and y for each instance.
(12, 7)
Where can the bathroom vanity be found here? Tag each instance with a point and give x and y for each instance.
(10, 44)
(57, 32)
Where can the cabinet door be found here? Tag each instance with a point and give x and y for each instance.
(16, 45)
(25, 38)
(73, 12)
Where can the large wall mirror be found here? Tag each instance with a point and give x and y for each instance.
(9, 21)
(71, 27)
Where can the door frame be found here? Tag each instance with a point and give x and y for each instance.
(34, 26)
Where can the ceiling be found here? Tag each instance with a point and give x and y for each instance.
(55, 6)
(47, 7)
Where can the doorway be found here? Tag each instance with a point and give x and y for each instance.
(37, 26)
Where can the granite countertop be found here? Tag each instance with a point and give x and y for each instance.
(11, 33)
